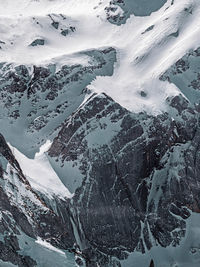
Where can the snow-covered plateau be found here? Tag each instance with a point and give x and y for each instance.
(100, 133)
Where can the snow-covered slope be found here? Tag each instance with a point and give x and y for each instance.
(146, 45)
(40, 174)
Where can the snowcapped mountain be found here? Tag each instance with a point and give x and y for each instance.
(99, 133)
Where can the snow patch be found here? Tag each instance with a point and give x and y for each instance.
(48, 246)
(40, 173)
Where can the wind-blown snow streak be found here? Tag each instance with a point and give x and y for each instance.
(146, 46)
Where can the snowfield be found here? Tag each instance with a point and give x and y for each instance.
(146, 46)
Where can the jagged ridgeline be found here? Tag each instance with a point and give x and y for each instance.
(99, 133)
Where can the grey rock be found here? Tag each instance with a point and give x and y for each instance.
(65, 32)
(138, 173)
(26, 213)
(55, 24)
(150, 28)
(38, 42)
(127, 181)
(44, 97)
(185, 75)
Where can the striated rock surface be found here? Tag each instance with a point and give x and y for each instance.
(139, 175)
(134, 177)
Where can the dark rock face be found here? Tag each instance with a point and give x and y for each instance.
(37, 42)
(8, 253)
(68, 30)
(23, 211)
(138, 175)
(140, 180)
(185, 75)
(62, 24)
(35, 102)
(150, 28)
(40, 98)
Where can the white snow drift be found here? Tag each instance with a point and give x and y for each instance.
(146, 46)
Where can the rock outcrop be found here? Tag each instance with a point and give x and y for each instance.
(35, 100)
(139, 175)
(24, 213)
(134, 176)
